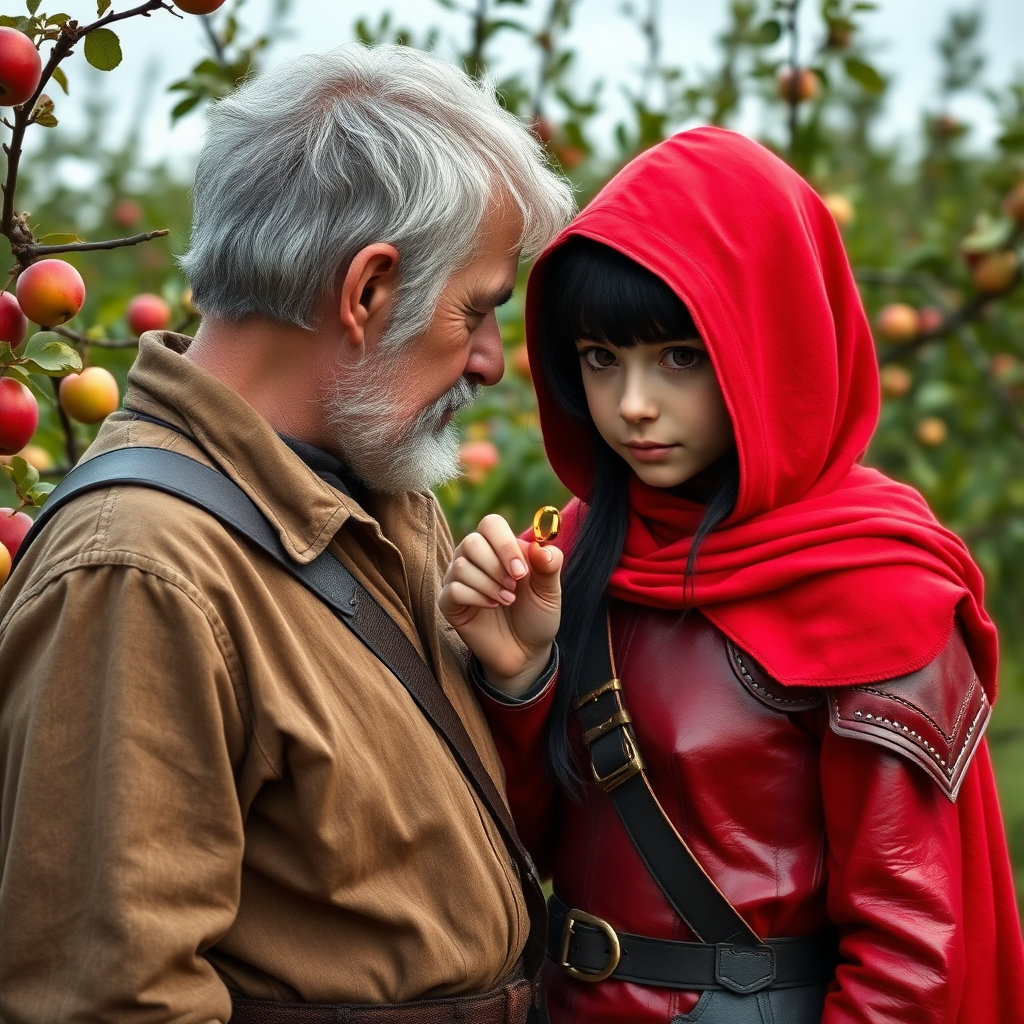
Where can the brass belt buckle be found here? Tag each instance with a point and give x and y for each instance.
(614, 952)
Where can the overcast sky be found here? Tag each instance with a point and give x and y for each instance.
(608, 46)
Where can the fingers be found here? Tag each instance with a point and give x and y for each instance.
(504, 544)
(467, 574)
(455, 596)
(546, 563)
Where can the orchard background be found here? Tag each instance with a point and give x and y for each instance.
(934, 227)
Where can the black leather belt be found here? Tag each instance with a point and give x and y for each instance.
(591, 950)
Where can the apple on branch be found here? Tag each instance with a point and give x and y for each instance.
(148, 312)
(13, 527)
(50, 292)
(13, 322)
(21, 67)
(898, 322)
(89, 396)
(19, 415)
(198, 6)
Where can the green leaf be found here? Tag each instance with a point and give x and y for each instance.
(7, 355)
(22, 376)
(33, 6)
(59, 238)
(988, 234)
(767, 32)
(58, 19)
(23, 476)
(8, 22)
(185, 106)
(101, 7)
(865, 75)
(40, 493)
(61, 79)
(46, 120)
(103, 49)
(46, 353)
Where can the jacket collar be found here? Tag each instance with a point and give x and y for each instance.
(304, 508)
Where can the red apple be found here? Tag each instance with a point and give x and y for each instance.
(20, 67)
(1013, 204)
(930, 319)
(5, 564)
(932, 431)
(521, 360)
(840, 207)
(995, 271)
(89, 396)
(13, 527)
(50, 292)
(198, 6)
(807, 85)
(148, 312)
(19, 415)
(478, 458)
(126, 212)
(896, 381)
(898, 322)
(13, 322)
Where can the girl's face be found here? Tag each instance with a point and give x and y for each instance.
(658, 406)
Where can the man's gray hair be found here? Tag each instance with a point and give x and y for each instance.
(310, 162)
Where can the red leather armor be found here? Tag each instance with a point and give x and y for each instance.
(805, 806)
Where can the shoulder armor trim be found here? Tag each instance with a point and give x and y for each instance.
(935, 717)
(764, 689)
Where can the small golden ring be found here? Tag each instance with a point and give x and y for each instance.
(539, 532)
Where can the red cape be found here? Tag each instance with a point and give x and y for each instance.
(827, 572)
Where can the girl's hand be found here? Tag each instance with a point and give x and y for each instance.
(504, 598)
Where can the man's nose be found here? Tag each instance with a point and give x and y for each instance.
(486, 362)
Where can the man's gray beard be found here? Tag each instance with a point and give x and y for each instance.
(385, 454)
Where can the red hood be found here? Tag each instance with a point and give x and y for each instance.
(756, 257)
(826, 572)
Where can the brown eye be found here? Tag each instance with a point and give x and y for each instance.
(683, 358)
(598, 358)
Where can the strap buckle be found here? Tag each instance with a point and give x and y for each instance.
(612, 686)
(633, 765)
(614, 951)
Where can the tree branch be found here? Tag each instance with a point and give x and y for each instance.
(793, 97)
(83, 339)
(70, 33)
(70, 441)
(33, 252)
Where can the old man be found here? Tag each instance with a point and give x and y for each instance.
(216, 798)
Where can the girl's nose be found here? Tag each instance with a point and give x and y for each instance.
(637, 402)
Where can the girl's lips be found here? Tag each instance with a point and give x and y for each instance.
(646, 451)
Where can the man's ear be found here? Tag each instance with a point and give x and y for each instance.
(368, 289)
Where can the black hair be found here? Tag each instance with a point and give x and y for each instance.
(592, 291)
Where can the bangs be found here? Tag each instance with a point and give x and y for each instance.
(597, 293)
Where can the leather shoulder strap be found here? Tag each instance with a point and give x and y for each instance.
(618, 769)
(184, 478)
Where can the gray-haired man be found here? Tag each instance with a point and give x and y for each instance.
(212, 792)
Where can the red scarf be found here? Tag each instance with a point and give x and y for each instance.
(826, 572)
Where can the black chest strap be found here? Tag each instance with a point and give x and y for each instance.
(327, 578)
(618, 769)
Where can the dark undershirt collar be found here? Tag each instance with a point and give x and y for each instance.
(330, 469)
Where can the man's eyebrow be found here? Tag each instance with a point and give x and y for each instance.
(496, 298)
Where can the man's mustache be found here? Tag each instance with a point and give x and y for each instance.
(437, 414)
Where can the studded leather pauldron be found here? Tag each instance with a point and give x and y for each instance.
(935, 716)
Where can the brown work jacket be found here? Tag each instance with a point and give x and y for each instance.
(208, 783)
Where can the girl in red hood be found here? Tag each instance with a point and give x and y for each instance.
(755, 766)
